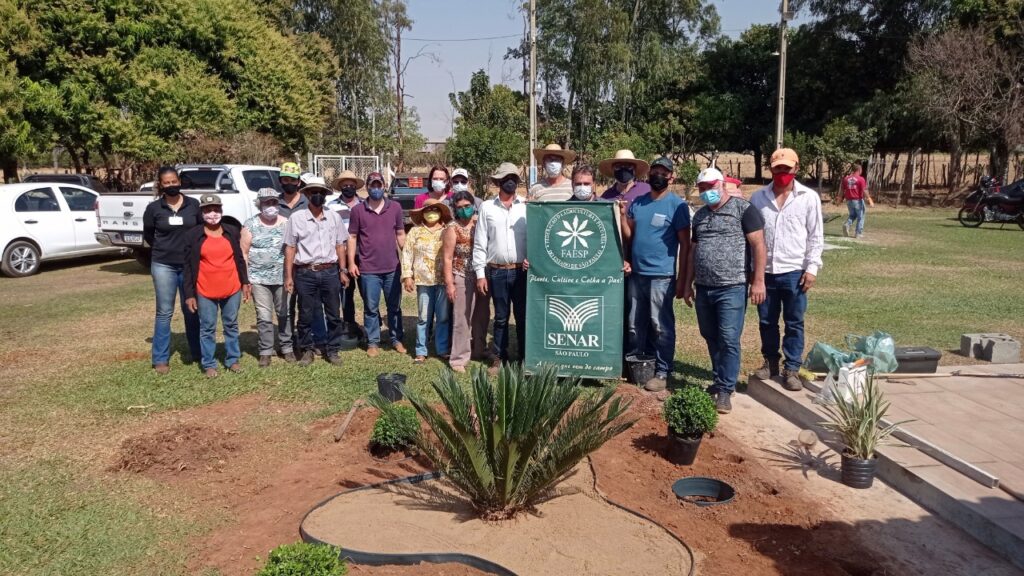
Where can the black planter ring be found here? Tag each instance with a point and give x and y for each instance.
(703, 486)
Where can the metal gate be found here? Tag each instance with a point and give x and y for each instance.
(329, 167)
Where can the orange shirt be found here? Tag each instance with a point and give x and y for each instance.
(218, 275)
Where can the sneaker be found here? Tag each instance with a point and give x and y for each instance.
(846, 229)
(860, 236)
(265, 360)
(420, 360)
(289, 356)
(400, 348)
(656, 384)
(334, 359)
(162, 369)
(723, 403)
(211, 373)
(236, 368)
(373, 351)
(307, 358)
(791, 381)
(768, 370)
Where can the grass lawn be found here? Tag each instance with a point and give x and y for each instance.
(76, 377)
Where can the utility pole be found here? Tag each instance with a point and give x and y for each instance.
(533, 90)
(781, 111)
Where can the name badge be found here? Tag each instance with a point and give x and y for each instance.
(175, 220)
(659, 220)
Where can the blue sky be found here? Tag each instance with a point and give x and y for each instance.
(428, 81)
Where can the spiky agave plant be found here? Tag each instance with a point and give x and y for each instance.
(855, 418)
(507, 443)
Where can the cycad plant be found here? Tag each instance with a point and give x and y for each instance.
(855, 418)
(506, 443)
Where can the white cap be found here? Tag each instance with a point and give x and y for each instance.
(460, 172)
(710, 175)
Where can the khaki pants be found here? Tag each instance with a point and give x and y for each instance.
(471, 313)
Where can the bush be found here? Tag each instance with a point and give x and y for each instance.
(302, 559)
(690, 412)
(396, 428)
(508, 442)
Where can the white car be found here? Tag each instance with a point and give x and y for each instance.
(46, 221)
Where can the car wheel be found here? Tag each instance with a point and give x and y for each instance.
(21, 258)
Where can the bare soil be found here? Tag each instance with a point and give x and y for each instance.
(181, 449)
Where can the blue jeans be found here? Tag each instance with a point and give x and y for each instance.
(783, 296)
(318, 291)
(720, 312)
(857, 212)
(432, 302)
(228, 308)
(391, 286)
(652, 320)
(508, 291)
(167, 282)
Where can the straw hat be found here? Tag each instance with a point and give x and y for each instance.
(348, 175)
(623, 157)
(567, 156)
(417, 215)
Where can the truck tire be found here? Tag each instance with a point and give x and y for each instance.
(21, 258)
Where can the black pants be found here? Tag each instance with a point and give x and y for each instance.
(318, 290)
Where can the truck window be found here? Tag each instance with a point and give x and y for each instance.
(256, 179)
(199, 179)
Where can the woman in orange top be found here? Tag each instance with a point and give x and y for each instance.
(215, 278)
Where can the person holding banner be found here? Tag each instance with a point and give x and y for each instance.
(499, 259)
(658, 245)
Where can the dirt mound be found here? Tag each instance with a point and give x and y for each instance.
(180, 449)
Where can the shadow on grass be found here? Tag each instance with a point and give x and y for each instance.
(125, 267)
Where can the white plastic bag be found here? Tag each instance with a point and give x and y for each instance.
(849, 382)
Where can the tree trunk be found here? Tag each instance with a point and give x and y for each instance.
(757, 165)
(399, 96)
(999, 161)
(568, 116)
(10, 166)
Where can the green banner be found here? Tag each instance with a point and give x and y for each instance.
(575, 288)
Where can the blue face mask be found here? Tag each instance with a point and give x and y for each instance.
(376, 193)
(710, 197)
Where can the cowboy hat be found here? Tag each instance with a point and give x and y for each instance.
(623, 157)
(417, 215)
(505, 169)
(567, 156)
(347, 175)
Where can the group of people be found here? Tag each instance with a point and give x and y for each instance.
(465, 254)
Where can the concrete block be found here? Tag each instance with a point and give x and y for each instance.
(1000, 350)
(971, 344)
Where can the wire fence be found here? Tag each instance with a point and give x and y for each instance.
(330, 167)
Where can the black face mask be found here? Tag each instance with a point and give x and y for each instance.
(317, 199)
(171, 190)
(657, 182)
(624, 175)
(509, 186)
(348, 191)
(290, 188)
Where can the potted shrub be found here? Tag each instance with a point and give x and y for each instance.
(396, 428)
(855, 419)
(690, 414)
(305, 560)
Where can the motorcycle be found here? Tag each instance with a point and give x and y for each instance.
(993, 203)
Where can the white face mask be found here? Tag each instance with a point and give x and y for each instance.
(553, 168)
(269, 212)
(460, 187)
(438, 185)
(583, 192)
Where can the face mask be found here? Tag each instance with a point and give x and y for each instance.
(509, 186)
(657, 182)
(553, 168)
(211, 218)
(431, 217)
(711, 197)
(624, 175)
(583, 192)
(290, 188)
(438, 185)
(465, 213)
(270, 212)
(783, 180)
(317, 199)
(376, 193)
(172, 190)
(348, 191)
(460, 187)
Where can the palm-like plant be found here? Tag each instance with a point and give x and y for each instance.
(855, 418)
(508, 443)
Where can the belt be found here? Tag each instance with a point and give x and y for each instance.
(516, 266)
(317, 267)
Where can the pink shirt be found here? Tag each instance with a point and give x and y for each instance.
(423, 198)
(854, 187)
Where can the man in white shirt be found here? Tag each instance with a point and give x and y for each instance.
(554, 186)
(499, 259)
(794, 239)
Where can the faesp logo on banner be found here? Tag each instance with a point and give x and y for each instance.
(575, 288)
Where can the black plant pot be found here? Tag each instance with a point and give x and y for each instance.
(682, 450)
(858, 473)
(390, 386)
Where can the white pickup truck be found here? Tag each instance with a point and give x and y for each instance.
(119, 216)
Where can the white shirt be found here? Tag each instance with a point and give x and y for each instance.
(793, 233)
(500, 236)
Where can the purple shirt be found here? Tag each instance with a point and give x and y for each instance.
(376, 236)
(638, 190)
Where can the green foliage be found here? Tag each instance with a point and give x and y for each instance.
(687, 172)
(303, 559)
(690, 412)
(508, 442)
(842, 145)
(857, 419)
(396, 427)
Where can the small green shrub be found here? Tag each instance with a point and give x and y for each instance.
(302, 559)
(396, 428)
(690, 412)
